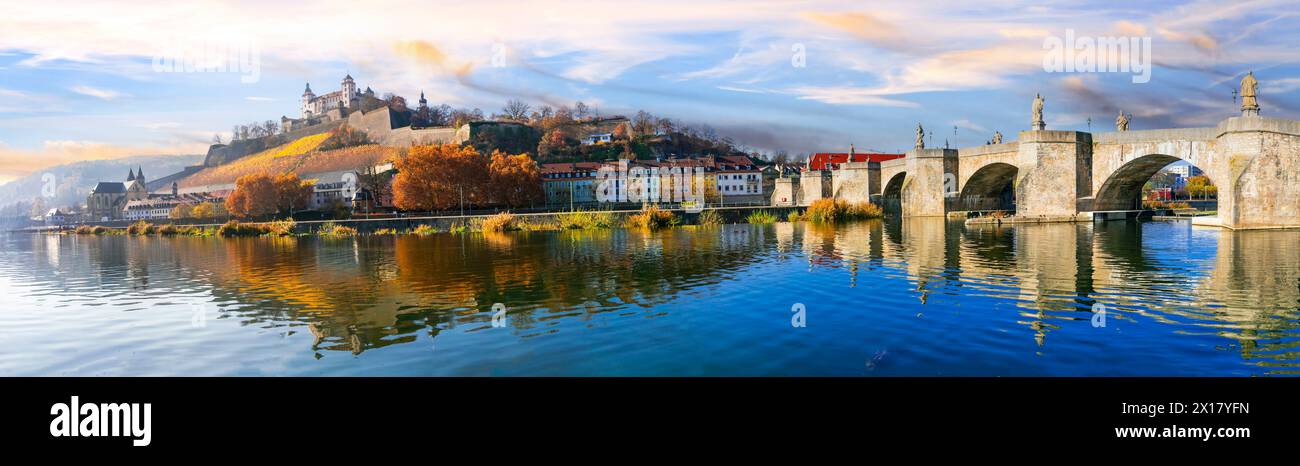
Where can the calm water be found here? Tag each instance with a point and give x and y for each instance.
(915, 297)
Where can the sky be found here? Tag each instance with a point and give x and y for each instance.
(90, 79)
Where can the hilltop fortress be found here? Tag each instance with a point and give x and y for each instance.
(386, 121)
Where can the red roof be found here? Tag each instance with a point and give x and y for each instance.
(819, 161)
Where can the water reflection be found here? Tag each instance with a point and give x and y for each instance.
(936, 297)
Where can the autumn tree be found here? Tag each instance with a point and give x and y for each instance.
(1200, 186)
(440, 177)
(207, 210)
(621, 131)
(180, 211)
(555, 144)
(254, 196)
(260, 195)
(292, 193)
(515, 180)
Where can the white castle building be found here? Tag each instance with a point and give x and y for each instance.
(315, 105)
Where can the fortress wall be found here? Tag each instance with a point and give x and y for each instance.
(377, 124)
(406, 136)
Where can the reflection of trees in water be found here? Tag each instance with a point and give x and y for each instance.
(360, 293)
(564, 272)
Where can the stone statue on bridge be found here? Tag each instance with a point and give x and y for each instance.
(1121, 121)
(997, 137)
(1038, 113)
(1249, 106)
(920, 136)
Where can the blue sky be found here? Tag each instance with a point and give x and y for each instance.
(77, 79)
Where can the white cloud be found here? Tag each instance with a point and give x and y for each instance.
(847, 95)
(967, 124)
(1280, 86)
(161, 125)
(95, 92)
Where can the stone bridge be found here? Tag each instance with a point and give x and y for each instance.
(1050, 175)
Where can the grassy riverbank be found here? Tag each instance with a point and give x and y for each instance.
(650, 218)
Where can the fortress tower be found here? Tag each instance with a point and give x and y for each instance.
(307, 97)
(349, 88)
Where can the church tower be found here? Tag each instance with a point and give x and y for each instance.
(135, 186)
(307, 97)
(422, 113)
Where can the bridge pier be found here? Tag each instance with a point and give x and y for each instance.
(1054, 175)
(931, 177)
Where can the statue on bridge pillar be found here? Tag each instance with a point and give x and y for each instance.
(1038, 113)
(1121, 121)
(920, 136)
(997, 137)
(1249, 106)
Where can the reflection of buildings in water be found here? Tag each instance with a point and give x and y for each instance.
(51, 251)
(1254, 292)
(819, 245)
(784, 232)
(919, 246)
(1052, 269)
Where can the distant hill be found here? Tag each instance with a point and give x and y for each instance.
(73, 181)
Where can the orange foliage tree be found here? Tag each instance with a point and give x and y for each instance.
(260, 195)
(514, 180)
(439, 177)
(292, 193)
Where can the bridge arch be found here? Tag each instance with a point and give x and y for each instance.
(1122, 190)
(892, 195)
(991, 187)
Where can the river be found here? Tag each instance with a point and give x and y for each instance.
(911, 297)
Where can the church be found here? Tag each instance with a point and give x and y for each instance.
(108, 199)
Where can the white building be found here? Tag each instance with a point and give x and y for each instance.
(1185, 171)
(57, 217)
(597, 138)
(313, 105)
(738, 176)
(153, 208)
(333, 188)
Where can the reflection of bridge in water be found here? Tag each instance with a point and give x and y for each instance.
(1056, 272)
(1073, 175)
